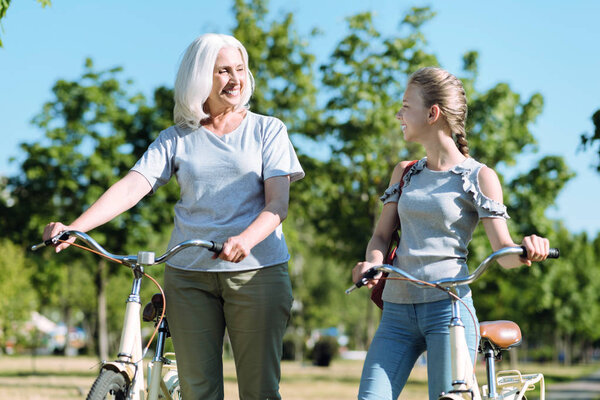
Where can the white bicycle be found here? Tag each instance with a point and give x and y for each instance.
(496, 336)
(123, 378)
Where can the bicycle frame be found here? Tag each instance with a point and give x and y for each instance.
(511, 384)
(129, 361)
(130, 348)
(130, 357)
(464, 381)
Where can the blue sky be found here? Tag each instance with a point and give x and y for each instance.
(547, 46)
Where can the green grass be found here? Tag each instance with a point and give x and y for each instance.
(24, 378)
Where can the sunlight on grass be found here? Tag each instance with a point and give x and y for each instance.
(41, 378)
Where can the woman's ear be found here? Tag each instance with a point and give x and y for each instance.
(433, 114)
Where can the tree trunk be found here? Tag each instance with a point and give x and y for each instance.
(69, 325)
(298, 308)
(67, 313)
(557, 347)
(513, 354)
(102, 322)
(568, 349)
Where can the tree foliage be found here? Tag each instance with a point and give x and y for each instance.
(95, 128)
(591, 140)
(18, 298)
(94, 132)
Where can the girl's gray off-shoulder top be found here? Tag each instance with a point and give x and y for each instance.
(438, 211)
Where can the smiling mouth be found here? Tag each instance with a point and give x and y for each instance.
(231, 92)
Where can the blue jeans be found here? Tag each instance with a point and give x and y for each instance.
(404, 333)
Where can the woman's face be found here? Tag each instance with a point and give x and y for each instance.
(229, 79)
(413, 114)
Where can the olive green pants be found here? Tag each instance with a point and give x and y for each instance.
(254, 306)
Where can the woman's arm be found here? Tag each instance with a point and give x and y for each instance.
(277, 195)
(119, 198)
(497, 229)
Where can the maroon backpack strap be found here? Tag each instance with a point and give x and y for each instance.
(377, 291)
(408, 167)
(395, 240)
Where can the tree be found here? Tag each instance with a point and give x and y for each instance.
(589, 140)
(94, 132)
(571, 294)
(281, 65)
(363, 82)
(95, 129)
(18, 298)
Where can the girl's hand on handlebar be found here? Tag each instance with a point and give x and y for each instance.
(235, 249)
(358, 271)
(537, 249)
(53, 229)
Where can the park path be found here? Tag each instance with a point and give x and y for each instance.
(583, 389)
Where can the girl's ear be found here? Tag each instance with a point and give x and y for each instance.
(433, 114)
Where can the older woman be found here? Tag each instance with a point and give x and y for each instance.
(234, 169)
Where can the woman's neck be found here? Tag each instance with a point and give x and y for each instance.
(224, 122)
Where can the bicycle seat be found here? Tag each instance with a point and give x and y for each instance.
(501, 335)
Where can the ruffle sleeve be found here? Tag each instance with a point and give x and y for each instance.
(414, 169)
(391, 194)
(486, 207)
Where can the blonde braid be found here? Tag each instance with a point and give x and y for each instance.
(462, 143)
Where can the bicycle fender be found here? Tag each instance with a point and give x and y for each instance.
(127, 370)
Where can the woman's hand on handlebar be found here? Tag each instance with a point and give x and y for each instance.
(537, 249)
(358, 271)
(235, 249)
(53, 229)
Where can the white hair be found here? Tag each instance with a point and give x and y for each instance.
(195, 78)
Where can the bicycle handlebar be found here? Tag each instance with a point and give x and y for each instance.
(447, 283)
(143, 258)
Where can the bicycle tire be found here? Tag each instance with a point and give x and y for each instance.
(108, 385)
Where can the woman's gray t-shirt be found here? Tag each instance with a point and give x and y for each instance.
(221, 181)
(438, 210)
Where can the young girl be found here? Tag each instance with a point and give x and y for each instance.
(444, 195)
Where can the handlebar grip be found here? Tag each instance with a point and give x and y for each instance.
(52, 241)
(216, 247)
(368, 275)
(553, 252)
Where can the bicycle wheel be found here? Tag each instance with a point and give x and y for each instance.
(108, 385)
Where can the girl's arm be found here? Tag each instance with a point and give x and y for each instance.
(119, 198)
(277, 195)
(387, 223)
(497, 230)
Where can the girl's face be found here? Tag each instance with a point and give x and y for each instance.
(413, 114)
(229, 79)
